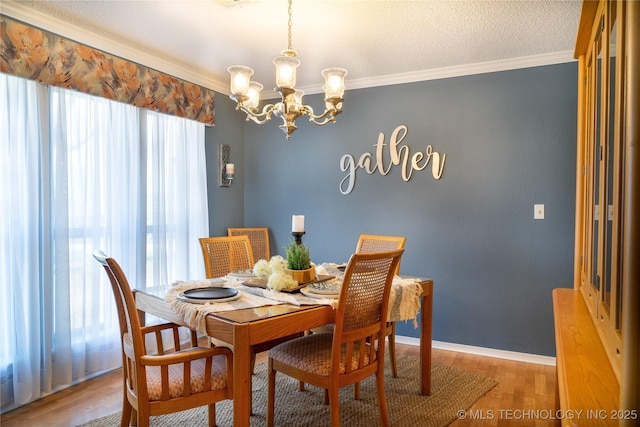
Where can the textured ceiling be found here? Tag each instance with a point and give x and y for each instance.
(377, 41)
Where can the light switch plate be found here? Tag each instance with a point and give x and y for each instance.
(538, 211)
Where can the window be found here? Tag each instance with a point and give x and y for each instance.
(81, 173)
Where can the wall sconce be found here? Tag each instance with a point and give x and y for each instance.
(226, 170)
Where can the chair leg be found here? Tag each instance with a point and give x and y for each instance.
(271, 394)
(392, 350)
(143, 417)
(126, 418)
(212, 414)
(253, 366)
(334, 406)
(356, 391)
(382, 400)
(251, 392)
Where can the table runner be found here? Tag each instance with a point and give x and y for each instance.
(195, 315)
(404, 301)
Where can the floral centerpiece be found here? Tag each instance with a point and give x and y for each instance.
(287, 273)
(275, 271)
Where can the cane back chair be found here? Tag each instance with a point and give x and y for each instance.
(259, 238)
(225, 254)
(355, 349)
(376, 243)
(173, 377)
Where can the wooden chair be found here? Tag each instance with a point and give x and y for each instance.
(355, 349)
(375, 243)
(259, 238)
(225, 254)
(368, 243)
(154, 384)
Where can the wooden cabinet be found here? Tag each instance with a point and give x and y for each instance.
(607, 247)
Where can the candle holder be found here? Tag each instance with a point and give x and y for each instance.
(225, 177)
(298, 236)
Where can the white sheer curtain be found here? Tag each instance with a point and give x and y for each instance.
(95, 157)
(21, 235)
(81, 173)
(177, 208)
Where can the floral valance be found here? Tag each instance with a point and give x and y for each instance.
(39, 55)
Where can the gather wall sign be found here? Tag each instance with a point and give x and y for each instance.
(398, 155)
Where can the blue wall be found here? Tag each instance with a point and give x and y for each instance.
(226, 204)
(509, 139)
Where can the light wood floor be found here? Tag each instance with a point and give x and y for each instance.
(523, 388)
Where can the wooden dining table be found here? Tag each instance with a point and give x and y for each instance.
(244, 328)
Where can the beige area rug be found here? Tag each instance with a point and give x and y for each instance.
(452, 390)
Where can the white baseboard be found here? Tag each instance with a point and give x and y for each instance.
(483, 351)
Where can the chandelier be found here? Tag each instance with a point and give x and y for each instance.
(246, 93)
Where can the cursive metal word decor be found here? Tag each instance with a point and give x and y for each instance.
(398, 156)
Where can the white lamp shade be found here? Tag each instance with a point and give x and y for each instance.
(286, 71)
(297, 96)
(334, 82)
(254, 94)
(240, 78)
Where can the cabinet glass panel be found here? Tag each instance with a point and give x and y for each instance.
(611, 164)
(595, 137)
(620, 161)
(587, 203)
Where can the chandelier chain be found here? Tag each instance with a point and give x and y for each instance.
(289, 25)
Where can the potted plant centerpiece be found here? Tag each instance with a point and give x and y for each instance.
(299, 262)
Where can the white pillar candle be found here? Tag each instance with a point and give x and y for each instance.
(230, 167)
(297, 223)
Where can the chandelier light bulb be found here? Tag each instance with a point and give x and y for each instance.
(254, 95)
(286, 71)
(334, 82)
(297, 96)
(240, 78)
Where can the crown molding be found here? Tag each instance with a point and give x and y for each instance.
(465, 70)
(455, 71)
(446, 72)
